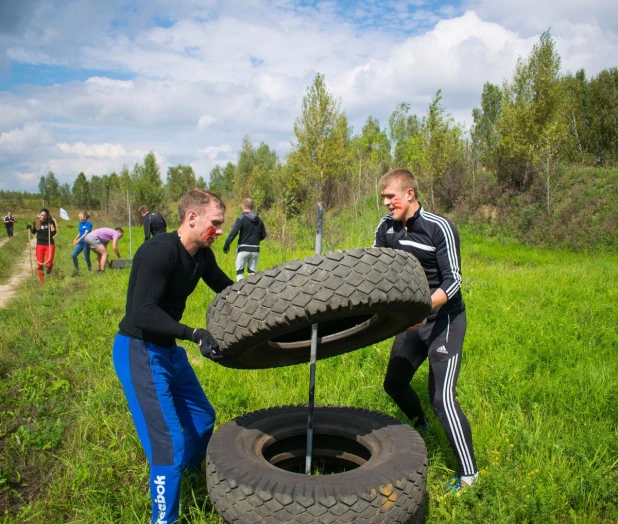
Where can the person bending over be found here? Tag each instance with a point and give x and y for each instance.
(98, 239)
(172, 415)
(434, 241)
(154, 223)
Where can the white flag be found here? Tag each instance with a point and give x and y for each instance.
(64, 214)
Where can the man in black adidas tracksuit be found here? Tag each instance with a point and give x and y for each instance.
(434, 241)
(252, 232)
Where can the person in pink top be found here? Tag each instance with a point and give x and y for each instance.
(98, 239)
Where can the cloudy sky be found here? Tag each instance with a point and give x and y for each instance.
(92, 86)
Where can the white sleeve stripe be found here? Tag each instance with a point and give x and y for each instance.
(451, 250)
(375, 234)
(450, 241)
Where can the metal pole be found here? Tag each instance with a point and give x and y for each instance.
(130, 228)
(314, 350)
(30, 251)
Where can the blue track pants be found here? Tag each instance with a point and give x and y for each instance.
(173, 417)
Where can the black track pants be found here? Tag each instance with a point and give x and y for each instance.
(441, 340)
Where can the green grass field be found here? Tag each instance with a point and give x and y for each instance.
(539, 384)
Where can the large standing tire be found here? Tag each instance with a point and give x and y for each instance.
(358, 297)
(373, 468)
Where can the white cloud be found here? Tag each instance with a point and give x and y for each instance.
(100, 150)
(535, 16)
(205, 121)
(22, 140)
(25, 177)
(220, 71)
(213, 152)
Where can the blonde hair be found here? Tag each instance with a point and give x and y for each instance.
(403, 177)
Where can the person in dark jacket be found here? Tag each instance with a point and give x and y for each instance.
(434, 241)
(154, 223)
(172, 415)
(252, 232)
(45, 230)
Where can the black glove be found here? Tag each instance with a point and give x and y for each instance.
(28, 226)
(226, 248)
(208, 345)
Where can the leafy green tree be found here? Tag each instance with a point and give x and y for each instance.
(216, 184)
(530, 112)
(180, 179)
(434, 154)
(244, 168)
(484, 133)
(401, 126)
(65, 196)
(229, 172)
(604, 116)
(96, 191)
(201, 183)
(49, 189)
(147, 184)
(81, 192)
(322, 133)
(576, 102)
(370, 158)
(125, 181)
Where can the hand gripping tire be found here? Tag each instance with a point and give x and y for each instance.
(373, 468)
(358, 297)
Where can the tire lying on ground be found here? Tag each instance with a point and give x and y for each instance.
(358, 297)
(373, 468)
(120, 263)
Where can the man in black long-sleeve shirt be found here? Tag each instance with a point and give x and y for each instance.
(434, 241)
(172, 415)
(154, 223)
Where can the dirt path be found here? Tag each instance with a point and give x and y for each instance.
(22, 271)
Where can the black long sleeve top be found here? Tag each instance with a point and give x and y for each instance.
(434, 240)
(163, 275)
(44, 234)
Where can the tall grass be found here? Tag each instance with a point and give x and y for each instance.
(539, 383)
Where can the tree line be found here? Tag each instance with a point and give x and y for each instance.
(523, 135)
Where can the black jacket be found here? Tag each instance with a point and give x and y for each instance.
(252, 232)
(153, 225)
(434, 241)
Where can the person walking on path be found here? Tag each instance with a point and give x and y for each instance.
(98, 239)
(252, 232)
(154, 223)
(9, 222)
(172, 415)
(79, 241)
(434, 241)
(45, 230)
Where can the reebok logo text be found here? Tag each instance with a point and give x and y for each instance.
(442, 349)
(160, 498)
